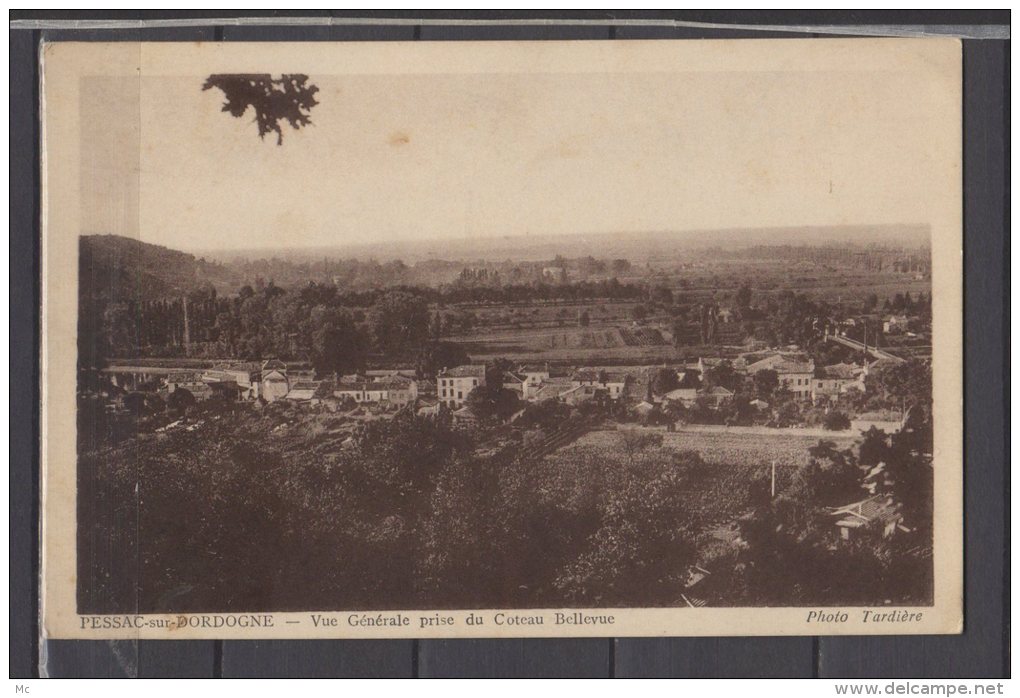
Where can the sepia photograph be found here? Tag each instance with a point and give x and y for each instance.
(565, 337)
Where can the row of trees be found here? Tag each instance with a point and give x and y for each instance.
(369, 274)
(297, 324)
(784, 318)
(496, 275)
(901, 303)
(314, 323)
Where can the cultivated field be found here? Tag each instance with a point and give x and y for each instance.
(564, 344)
(504, 316)
(729, 447)
(734, 460)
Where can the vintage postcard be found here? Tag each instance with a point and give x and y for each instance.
(497, 339)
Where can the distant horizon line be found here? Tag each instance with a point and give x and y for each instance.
(913, 238)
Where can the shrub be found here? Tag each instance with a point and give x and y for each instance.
(634, 440)
(836, 421)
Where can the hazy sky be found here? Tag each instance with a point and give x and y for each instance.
(394, 157)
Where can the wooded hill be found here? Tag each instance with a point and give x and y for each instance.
(115, 268)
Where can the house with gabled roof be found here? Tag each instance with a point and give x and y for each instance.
(550, 389)
(878, 510)
(515, 382)
(244, 373)
(465, 415)
(275, 385)
(274, 365)
(643, 408)
(532, 376)
(302, 391)
(684, 396)
(716, 395)
(686, 392)
(400, 390)
(428, 407)
(582, 393)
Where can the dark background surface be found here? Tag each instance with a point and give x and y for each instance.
(981, 651)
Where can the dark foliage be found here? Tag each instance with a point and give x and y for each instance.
(435, 356)
(139, 300)
(288, 98)
(766, 382)
(791, 552)
(836, 421)
(257, 509)
(180, 400)
(664, 380)
(493, 402)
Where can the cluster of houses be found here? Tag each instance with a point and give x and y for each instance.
(270, 381)
(798, 374)
(391, 388)
(794, 370)
(273, 380)
(890, 324)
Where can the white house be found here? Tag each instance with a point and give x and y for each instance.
(836, 380)
(795, 371)
(350, 390)
(716, 395)
(685, 396)
(400, 390)
(453, 385)
(274, 385)
(686, 391)
(532, 378)
(246, 375)
(895, 323)
(374, 392)
(889, 422)
(878, 511)
(392, 388)
(613, 383)
(616, 384)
